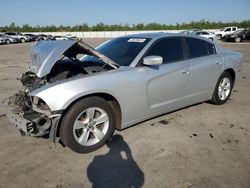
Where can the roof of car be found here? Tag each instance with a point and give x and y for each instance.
(158, 35)
(154, 35)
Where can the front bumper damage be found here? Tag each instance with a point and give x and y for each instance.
(28, 120)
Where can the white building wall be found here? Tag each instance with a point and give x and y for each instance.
(108, 34)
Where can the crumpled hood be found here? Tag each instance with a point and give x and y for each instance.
(45, 54)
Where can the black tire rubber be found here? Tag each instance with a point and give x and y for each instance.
(216, 99)
(211, 39)
(66, 129)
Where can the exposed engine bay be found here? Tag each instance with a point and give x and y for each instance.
(32, 115)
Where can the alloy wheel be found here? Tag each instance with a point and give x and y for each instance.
(224, 88)
(91, 126)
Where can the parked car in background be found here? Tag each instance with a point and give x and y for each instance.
(58, 37)
(22, 38)
(225, 31)
(72, 38)
(82, 100)
(239, 36)
(32, 36)
(2, 40)
(45, 37)
(205, 34)
(187, 32)
(9, 39)
(67, 37)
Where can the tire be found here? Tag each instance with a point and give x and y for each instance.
(237, 39)
(219, 37)
(223, 89)
(22, 40)
(83, 135)
(211, 38)
(7, 41)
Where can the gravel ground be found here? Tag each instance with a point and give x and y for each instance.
(200, 146)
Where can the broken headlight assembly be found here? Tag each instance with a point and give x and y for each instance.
(40, 105)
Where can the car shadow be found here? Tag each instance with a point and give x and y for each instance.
(117, 168)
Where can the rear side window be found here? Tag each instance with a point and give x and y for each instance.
(170, 49)
(199, 48)
(211, 49)
(205, 33)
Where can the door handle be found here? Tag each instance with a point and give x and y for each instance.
(218, 62)
(185, 72)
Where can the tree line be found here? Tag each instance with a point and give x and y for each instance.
(202, 24)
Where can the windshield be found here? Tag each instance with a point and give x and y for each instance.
(120, 50)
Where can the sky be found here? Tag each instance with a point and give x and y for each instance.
(71, 12)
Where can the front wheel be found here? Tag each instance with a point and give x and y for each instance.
(223, 89)
(87, 125)
(7, 41)
(219, 37)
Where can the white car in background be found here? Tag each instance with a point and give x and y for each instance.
(5, 39)
(225, 31)
(67, 37)
(60, 38)
(205, 34)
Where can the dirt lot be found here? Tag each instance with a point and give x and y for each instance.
(200, 146)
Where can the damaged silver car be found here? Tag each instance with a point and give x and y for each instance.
(80, 95)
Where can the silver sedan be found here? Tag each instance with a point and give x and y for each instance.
(80, 95)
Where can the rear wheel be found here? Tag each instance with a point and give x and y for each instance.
(22, 40)
(237, 39)
(87, 125)
(223, 89)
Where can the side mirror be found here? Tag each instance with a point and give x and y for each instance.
(152, 60)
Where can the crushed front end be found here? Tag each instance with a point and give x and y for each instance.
(31, 115)
(51, 62)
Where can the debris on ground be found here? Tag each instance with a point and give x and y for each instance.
(164, 122)
(211, 135)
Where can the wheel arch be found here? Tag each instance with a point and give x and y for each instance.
(231, 72)
(107, 97)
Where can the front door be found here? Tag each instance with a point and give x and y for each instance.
(164, 86)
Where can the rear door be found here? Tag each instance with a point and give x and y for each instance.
(206, 67)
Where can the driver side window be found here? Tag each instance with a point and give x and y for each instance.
(170, 49)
